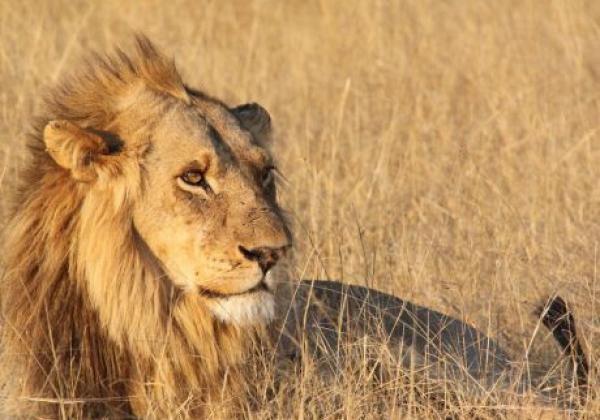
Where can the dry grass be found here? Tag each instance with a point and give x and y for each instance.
(444, 151)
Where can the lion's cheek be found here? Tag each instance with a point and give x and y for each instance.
(175, 249)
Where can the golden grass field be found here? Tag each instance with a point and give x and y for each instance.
(443, 151)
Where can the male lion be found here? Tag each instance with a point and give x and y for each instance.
(137, 264)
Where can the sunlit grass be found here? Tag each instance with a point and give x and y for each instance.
(446, 152)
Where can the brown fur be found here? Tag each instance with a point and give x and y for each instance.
(94, 320)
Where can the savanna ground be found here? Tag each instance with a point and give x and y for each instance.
(443, 151)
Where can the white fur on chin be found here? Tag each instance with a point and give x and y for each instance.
(250, 309)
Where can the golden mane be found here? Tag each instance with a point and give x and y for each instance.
(94, 329)
(91, 95)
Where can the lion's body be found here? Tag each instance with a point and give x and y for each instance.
(333, 318)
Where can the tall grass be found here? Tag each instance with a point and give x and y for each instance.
(443, 151)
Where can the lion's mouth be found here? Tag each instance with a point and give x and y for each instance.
(213, 294)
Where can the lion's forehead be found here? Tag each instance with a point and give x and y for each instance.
(210, 127)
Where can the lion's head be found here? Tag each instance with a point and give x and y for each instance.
(205, 203)
(146, 227)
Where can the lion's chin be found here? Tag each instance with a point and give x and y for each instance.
(256, 308)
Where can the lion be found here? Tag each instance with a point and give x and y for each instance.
(139, 257)
(143, 232)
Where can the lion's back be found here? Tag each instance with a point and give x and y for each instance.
(329, 316)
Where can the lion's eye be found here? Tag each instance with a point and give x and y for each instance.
(268, 176)
(192, 177)
(195, 178)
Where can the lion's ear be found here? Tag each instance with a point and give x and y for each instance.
(76, 148)
(256, 120)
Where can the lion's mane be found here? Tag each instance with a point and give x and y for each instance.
(91, 324)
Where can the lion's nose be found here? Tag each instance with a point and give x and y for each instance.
(266, 257)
